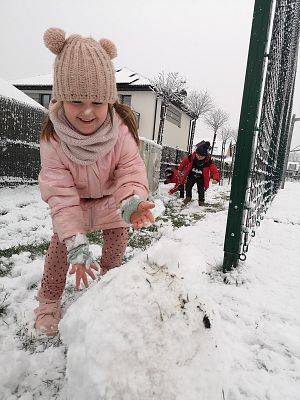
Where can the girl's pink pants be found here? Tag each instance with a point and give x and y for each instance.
(56, 266)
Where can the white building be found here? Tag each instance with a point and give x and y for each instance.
(134, 90)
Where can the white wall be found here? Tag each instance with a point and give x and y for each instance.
(144, 103)
(173, 135)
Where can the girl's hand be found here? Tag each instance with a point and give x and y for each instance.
(143, 216)
(81, 274)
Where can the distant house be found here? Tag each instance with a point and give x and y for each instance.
(293, 166)
(9, 91)
(134, 90)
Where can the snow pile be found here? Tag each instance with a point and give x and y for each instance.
(140, 334)
(142, 331)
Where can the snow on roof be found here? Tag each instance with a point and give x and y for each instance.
(127, 75)
(39, 80)
(8, 90)
(123, 75)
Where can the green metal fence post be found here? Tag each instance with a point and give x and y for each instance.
(247, 128)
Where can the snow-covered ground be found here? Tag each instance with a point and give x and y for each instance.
(142, 331)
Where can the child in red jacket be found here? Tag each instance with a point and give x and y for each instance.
(198, 168)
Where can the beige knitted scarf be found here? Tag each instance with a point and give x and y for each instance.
(84, 149)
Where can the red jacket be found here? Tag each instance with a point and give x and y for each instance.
(210, 171)
(174, 178)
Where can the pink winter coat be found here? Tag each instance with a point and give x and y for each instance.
(86, 198)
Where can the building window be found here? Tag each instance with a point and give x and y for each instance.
(45, 100)
(125, 99)
(173, 115)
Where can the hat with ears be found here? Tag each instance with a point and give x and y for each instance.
(83, 70)
(202, 148)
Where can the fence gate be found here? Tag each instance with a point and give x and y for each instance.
(151, 154)
(264, 122)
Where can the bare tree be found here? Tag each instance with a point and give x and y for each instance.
(215, 119)
(226, 134)
(198, 104)
(168, 87)
(234, 136)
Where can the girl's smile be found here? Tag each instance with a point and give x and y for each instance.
(85, 116)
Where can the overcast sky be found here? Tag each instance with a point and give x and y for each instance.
(205, 41)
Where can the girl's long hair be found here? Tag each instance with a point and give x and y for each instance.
(124, 111)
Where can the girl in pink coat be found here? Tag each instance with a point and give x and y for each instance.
(92, 175)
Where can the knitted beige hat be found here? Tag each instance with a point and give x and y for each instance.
(83, 69)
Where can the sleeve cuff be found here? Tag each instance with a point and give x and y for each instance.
(129, 206)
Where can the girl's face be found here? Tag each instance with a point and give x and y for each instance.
(85, 116)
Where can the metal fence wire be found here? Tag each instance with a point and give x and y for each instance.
(20, 124)
(264, 122)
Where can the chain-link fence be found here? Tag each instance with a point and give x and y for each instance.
(171, 158)
(20, 125)
(264, 121)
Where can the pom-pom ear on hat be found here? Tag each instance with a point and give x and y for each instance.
(79, 63)
(109, 47)
(54, 39)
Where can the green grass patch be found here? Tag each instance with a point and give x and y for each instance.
(172, 213)
(139, 239)
(214, 207)
(35, 250)
(5, 268)
(32, 286)
(197, 217)
(95, 238)
(3, 303)
(225, 196)
(162, 219)
(30, 342)
(179, 221)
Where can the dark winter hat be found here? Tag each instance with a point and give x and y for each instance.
(202, 148)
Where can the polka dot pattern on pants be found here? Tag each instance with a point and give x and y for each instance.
(55, 270)
(115, 242)
(56, 266)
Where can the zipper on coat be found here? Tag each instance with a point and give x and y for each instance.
(97, 173)
(91, 217)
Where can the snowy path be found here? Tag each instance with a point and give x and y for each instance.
(139, 332)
